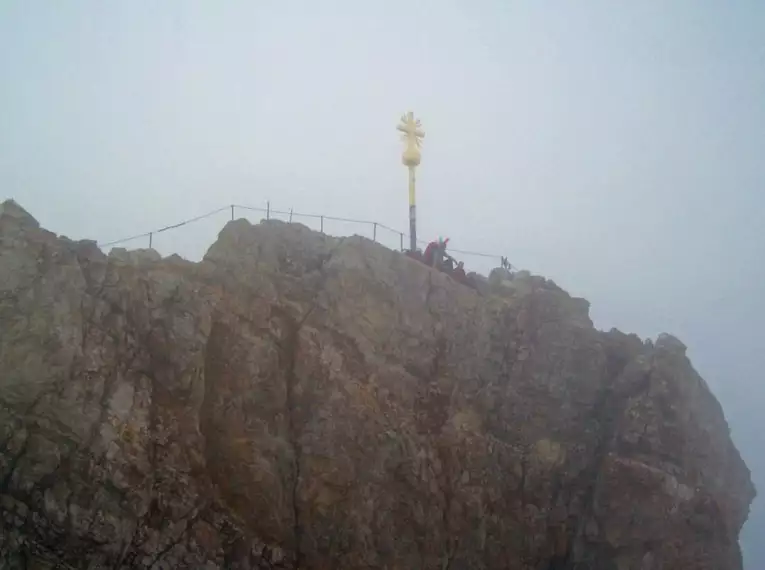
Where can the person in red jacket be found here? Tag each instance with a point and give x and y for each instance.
(434, 253)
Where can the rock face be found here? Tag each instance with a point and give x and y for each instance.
(300, 401)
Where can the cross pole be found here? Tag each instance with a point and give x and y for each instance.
(413, 135)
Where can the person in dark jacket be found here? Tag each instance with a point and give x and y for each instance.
(459, 273)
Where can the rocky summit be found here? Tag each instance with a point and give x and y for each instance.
(300, 401)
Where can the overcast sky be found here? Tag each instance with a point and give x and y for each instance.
(616, 147)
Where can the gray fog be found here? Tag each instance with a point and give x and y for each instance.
(614, 147)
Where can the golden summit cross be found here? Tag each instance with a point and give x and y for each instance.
(413, 135)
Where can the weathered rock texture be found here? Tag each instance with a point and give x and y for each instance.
(299, 401)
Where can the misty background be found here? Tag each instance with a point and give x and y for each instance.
(615, 147)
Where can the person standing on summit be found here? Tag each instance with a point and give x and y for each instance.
(435, 252)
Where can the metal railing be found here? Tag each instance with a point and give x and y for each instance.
(291, 216)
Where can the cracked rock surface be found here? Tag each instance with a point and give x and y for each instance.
(300, 401)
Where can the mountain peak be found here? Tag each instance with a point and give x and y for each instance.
(296, 400)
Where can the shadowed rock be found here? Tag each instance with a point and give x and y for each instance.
(302, 401)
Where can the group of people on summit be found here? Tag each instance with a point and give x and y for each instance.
(435, 256)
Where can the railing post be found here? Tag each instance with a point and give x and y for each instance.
(151, 239)
(322, 224)
(374, 233)
(232, 212)
(401, 235)
(290, 215)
